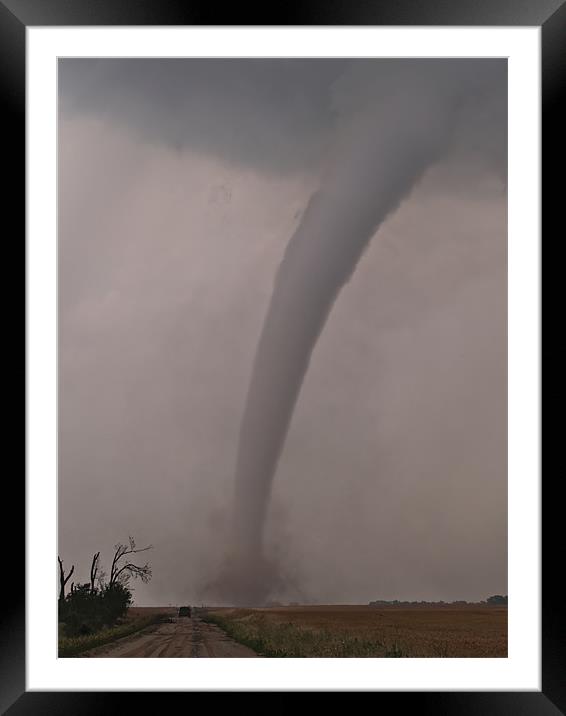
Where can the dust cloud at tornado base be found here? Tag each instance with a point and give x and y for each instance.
(392, 481)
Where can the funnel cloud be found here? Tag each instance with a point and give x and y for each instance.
(381, 154)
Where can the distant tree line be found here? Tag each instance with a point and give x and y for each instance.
(104, 599)
(496, 599)
(405, 603)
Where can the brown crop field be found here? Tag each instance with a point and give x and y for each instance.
(473, 630)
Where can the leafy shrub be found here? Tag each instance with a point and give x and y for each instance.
(86, 611)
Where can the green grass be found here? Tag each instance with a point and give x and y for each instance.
(289, 641)
(73, 646)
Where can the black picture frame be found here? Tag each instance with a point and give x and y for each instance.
(15, 16)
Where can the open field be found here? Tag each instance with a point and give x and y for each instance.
(363, 631)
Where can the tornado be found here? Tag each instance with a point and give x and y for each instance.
(380, 152)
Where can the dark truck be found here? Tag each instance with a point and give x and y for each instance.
(184, 612)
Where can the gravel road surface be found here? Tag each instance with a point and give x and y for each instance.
(184, 637)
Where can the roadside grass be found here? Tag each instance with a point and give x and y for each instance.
(74, 646)
(289, 641)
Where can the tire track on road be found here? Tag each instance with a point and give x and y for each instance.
(185, 637)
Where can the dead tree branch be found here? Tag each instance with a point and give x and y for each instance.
(63, 579)
(120, 573)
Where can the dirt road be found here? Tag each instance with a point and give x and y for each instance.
(184, 637)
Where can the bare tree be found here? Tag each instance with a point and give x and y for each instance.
(94, 570)
(100, 577)
(63, 579)
(120, 572)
